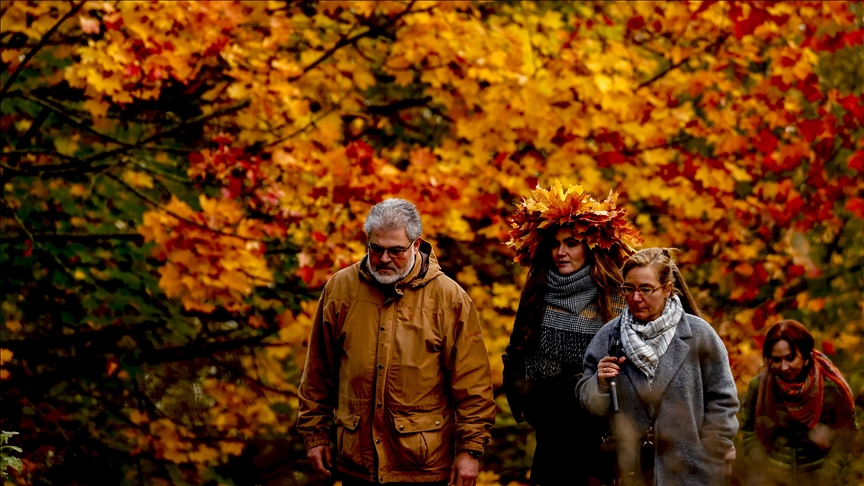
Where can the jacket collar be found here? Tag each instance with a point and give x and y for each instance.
(670, 362)
(426, 268)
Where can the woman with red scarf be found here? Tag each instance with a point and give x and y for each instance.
(798, 415)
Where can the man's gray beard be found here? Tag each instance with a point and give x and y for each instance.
(395, 278)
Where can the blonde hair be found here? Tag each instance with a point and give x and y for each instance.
(663, 264)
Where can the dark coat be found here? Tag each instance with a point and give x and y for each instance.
(694, 397)
(568, 437)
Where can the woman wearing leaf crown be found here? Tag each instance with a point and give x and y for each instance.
(798, 415)
(573, 246)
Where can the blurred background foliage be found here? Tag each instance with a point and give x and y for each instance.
(181, 178)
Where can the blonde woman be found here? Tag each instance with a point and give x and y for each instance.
(670, 374)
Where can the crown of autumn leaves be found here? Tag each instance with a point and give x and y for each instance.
(597, 224)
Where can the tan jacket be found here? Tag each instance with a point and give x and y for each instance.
(403, 371)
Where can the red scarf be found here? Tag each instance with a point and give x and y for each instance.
(803, 398)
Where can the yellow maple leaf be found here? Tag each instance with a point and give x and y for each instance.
(7, 56)
(137, 417)
(231, 448)
(97, 108)
(13, 325)
(78, 190)
(468, 277)
(175, 456)
(204, 454)
(459, 228)
(137, 179)
(505, 296)
(66, 145)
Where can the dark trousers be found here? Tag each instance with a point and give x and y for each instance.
(568, 443)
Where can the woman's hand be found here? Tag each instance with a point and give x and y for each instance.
(608, 368)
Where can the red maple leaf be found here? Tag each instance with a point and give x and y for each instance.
(855, 205)
(856, 162)
(608, 159)
(635, 23)
(766, 141)
(811, 129)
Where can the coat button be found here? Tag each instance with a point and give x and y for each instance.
(379, 405)
(377, 441)
(437, 422)
(380, 366)
(382, 328)
(401, 427)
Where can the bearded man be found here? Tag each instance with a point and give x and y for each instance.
(397, 361)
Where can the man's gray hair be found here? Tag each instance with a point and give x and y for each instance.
(394, 214)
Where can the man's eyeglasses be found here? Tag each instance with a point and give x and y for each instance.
(645, 290)
(393, 251)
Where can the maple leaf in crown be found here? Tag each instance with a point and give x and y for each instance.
(598, 224)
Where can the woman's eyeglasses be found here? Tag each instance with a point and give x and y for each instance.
(644, 290)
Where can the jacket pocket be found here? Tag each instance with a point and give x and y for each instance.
(418, 437)
(348, 438)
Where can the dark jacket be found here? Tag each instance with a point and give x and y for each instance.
(568, 438)
(792, 457)
(694, 398)
(402, 369)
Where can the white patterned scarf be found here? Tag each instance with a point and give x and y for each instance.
(644, 344)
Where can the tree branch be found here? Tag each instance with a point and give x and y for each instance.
(156, 136)
(244, 375)
(289, 250)
(345, 41)
(158, 205)
(58, 108)
(100, 340)
(24, 141)
(195, 121)
(29, 56)
(307, 126)
(199, 350)
(38, 244)
(720, 40)
(76, 237)
(51, 153)
(86, 165)
(81, 166)
(397, 106)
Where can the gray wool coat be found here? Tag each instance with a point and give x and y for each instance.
(694, 398)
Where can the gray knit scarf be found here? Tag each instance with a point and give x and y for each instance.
(645, 343)
(572, 317)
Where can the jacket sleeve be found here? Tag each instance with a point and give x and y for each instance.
(467, 361)
(844, 429)
(591, 394)
(318, 391)
(720, 396)
(516, 386)
(750, 445)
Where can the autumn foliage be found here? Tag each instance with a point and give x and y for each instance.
(181, 178)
